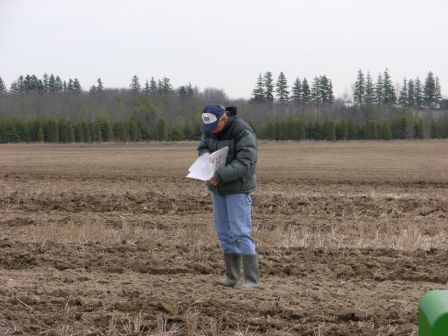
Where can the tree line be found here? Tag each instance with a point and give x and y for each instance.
(36, 109)
(49, 130)
(266, 91)
(413, 93)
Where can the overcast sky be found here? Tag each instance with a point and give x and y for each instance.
(223, 44)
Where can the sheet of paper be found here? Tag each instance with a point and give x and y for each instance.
(205, 166)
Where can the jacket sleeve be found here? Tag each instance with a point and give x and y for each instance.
(245, 158)
(203, 146)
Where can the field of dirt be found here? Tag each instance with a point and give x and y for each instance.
(114, 240)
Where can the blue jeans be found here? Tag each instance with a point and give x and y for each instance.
(233, 223)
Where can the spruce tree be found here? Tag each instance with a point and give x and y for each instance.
(161, 130)
(153, 86)
(437, 92)
(316, 97)
(2, 87)
(379, 96)
(258, 91)
(45, 82)
(166, 87)
(419, 130)
(70, 85)
(77, 86)
(296, 96)
(40, 135)
(369, 96)
(147, 88)
(268, 87)
(190, 90)
(306, 92)
(359, 89)
(326, 90)
(411, 93)
(429, 90)
(100, 86)
(389, 97)
(282, 89)
(418, 93)
(58, 84)
(135, 84)
(51, 84)
(403, 99)
(52, 131)
(181, 91)
(14, 88)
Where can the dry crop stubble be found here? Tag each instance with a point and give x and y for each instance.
(113, 240)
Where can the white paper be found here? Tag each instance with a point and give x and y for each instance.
(205, 166)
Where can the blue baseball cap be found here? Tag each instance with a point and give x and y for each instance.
(210, 117)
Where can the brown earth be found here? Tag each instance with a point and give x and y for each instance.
(114, 240)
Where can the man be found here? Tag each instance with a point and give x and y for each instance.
(231, 188)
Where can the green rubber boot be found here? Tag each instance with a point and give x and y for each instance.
(251, 273)
(233, 271)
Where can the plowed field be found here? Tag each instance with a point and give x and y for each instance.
(114, 240)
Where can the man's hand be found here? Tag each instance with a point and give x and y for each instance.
(213, 181)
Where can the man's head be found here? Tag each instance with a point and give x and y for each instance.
(214, 119)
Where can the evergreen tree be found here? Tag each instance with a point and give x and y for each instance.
(79, 132)
(352, 130)
(330, 131)
(161, 130)
(258, 91)
(147, 88)
(52, 84)
(316, 97)
(40, 135)
(369, 96)
(359, 89)
(296, 96)
(411, 93)
(70, 85)
(87, 130)
(379, 87)
(45, 82)
(437, 92)
(135, 84)
(153, 87)
(384, 131)
(52, 131)
(341, 130)
(306, 92)
(134, 131)
(403, 99)
(418, 93)
(429, 90)
(268, 87)
(389, 97)
(100, 86)
(190, 90)
(98, 132)
(282, 89)
(418, 130)
(181, 92)
(58, 84)
(2, 87)
(326, 90)
(166, 88)
(20, 85)
(76, 86)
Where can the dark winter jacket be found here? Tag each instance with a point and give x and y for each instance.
(238, 175)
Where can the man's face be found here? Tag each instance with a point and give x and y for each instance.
(221, 123)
